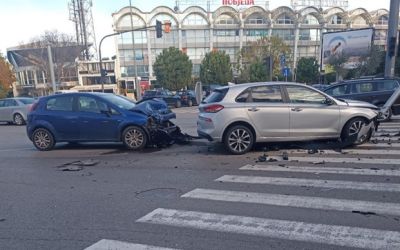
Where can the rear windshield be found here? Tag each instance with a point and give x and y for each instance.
(216, 96)
(27, 100)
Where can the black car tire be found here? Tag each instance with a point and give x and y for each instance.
(239, 140)
(134, 138)
(43, 139)
(190, 103)
(18, 119)
(178, 104)
(352, 128)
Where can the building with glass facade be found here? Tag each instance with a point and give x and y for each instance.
(196, 32)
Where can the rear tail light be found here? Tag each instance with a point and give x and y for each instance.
(213, 108)
(33, 106)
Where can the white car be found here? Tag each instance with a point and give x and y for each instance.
(15, 110)
(244, 114)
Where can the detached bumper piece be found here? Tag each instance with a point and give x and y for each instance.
(167, 134)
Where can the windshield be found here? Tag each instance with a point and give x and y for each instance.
(216, 96)
(119, 101)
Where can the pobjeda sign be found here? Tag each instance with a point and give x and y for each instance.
(237, 2)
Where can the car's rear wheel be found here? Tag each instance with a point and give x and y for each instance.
(239, 140)
(43, 139)
(18, 119)
(350, 133)
(190, 103)
(178, 104)
(134, 138)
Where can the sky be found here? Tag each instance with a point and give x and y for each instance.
(21, 20)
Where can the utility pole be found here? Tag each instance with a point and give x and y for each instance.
(392, 38)
(137, 84)
(51, 66)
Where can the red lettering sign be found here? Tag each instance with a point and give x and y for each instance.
(237, 2)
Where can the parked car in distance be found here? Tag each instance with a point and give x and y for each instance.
(97, 117)
(373, 90)
(14, 110)
(188, 97)
(164, 94)
(244, 114)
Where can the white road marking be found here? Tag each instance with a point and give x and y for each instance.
(331, 184)
(105, 244)
(350, 151)
(386, 138)
(281, 229)
(318, 159)
(295, 201)
(324, 170)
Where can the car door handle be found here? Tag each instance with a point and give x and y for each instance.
(253, 109)
(296, 109)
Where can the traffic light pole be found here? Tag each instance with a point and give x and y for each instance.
(392, 38)
(102, 71)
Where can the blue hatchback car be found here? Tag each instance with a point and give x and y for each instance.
(97, 117)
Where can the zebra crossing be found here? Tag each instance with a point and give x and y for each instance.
(371, 162)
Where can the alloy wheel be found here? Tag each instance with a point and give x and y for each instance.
(42, 139)
(134, 138)
(18, 119)
(239, 140)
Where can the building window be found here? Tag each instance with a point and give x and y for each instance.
(256, 32)
(195, 19)
(310, 19)
(285, 34)
(380, 35)
(225, 19)
(256, 19)
(226, 32)
(284, 19)
(383, 20)
(163, 18)
(309, 35)
(336, 19)
(140, 37)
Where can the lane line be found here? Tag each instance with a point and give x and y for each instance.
(331, 184)
(318, 159)
(105, 244)
(281, 229)
(323, 170)
(295, 201)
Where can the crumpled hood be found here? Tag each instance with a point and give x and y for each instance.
(361, 104)
(156, 108)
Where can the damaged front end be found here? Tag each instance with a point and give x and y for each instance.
(162, 132)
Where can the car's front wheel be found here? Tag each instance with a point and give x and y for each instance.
(239, 140)
(190, 103)
(351, 132)
(43, 139)
(178, 103)
(18, 119)
(134, 138)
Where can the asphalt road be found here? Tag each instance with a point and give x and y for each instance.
(196, 196)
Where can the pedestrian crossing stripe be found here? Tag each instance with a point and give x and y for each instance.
(330, 184)
(323, 170)
(105, 244)
(344, 236)
(310, 202)
(321, 159)
(386, 138)
(378, 145)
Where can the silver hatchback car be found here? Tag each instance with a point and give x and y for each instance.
(15, 110)
(241, 115)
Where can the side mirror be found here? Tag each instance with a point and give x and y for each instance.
(329, 102)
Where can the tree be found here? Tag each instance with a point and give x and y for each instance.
(307, 70)
(216, 68)
(337, 63)
(257, 51)
(257, 72)
(173, 69)
(6, 77)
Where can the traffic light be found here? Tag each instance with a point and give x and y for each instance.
(167, 26)
(159, 30)
(392, 46)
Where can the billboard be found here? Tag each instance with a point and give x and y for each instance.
(352, 44)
